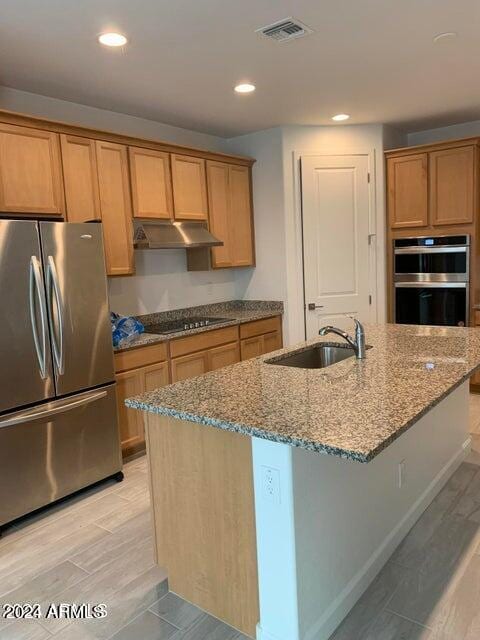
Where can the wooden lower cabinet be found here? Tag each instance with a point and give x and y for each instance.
(252, 347)
(272, 341)
(147, 368)
(130, 423)
(189, 366)
(155, 376)
(260, 337)
(223, 356)
(132, 383)
(260, 345)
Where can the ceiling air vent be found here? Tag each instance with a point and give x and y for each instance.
(286, 29)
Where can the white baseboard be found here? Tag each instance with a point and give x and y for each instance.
(340, 607)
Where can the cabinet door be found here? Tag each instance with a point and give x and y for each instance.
(241, 228)
(219, 212)
(251, 347)
(80, 178)
(151, 183)
(30, 171)
(130, 421)
(408, 191)
(189, 188)
(116, 208)
(194, 364)
(223, 356)
(272, 341)
(452, 185)
(155, 376)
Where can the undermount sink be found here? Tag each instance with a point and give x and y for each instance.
(317, 357)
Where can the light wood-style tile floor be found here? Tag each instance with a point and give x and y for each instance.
(97, 547)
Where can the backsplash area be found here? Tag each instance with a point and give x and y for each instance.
(162, 282)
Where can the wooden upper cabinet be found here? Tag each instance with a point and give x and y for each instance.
(241, 216)
(151, 183)
(80, 178)
(408, 191)
(230, 214)
(189, 187)
(116, 208)
(219, 212)
(452, 185)
(30, 171)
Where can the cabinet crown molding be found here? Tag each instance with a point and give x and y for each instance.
(433, 146)
(34, 122)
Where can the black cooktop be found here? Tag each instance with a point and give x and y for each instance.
(183, 324)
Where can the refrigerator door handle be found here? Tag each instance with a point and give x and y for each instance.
(43, 414)
(36, 289)
(53, 286)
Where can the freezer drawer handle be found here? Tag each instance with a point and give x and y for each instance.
(36, 289)
(42, 414)
(52, 285)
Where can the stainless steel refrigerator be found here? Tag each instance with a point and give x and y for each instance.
(58, 417)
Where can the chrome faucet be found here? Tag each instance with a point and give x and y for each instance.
(357, 343)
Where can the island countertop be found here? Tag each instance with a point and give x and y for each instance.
(352, 409)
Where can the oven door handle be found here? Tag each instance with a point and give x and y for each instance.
(427, 250)
(431, 285)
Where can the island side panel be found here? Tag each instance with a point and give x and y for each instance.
(330, 524)
(204, 518)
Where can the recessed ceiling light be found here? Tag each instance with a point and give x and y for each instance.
(112, 39)
(443, 37)
(340, 117)
(245, 87)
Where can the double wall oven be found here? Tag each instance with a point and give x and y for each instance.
(431, 280)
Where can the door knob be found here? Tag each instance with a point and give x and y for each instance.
(312, 306)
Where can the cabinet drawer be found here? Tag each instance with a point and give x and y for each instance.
(258, 327)
(141, 357)
(201, 341)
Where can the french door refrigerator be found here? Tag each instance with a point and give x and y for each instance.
(58, 418)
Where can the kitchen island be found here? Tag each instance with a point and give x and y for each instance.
(278, 493)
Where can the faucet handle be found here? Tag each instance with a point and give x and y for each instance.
(358, 325)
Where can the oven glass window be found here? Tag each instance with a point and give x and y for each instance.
(436, 306)
(431, 263)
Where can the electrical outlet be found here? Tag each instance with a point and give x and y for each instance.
(401, 474)
(271, 484)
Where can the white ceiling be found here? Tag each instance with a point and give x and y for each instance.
(374, 59)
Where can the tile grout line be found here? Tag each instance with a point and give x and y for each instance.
(35, 575)
(138, 616)
(420, 624)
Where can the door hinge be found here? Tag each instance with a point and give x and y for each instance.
(368, 177)
(370, 299)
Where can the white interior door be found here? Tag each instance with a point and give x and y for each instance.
(336, 227)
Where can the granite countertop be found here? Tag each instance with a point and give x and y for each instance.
(235, 312)
(352, 409)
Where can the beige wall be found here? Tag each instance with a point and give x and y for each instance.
(462, 130)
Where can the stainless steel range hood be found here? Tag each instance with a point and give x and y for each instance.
(166, 234)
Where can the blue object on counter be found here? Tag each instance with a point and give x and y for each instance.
(124, 328)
